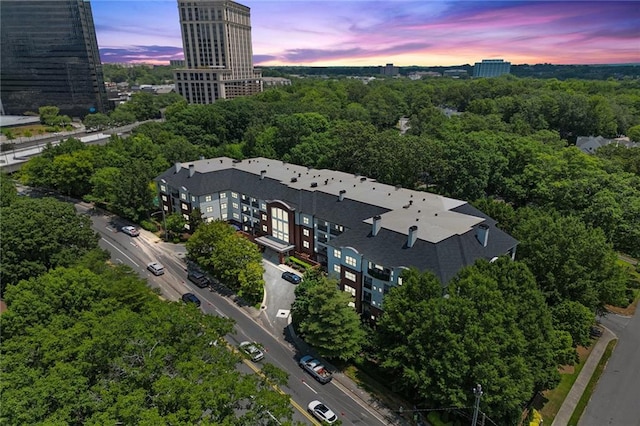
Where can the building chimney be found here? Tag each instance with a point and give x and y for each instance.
(341, 196)
(178, 166)
(262, 173)
(192, 170)
(482, 234)
(413, 236)
(376, 225)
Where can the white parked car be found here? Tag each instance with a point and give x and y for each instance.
(130, 230)
(322, 412)
(252, 350)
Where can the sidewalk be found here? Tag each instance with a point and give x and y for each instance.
(574, 395)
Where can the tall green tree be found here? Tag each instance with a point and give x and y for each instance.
(326, 320)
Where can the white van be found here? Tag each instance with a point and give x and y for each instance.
(156, 268)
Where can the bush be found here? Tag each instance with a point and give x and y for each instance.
(149, 225)
(304, 265)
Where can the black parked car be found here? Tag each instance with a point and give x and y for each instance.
(191, 298)
(291, 277)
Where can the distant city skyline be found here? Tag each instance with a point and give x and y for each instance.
(369, 33)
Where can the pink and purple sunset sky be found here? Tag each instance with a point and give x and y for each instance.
(402, 32)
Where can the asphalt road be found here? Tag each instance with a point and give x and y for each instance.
(139, 251)
(616, 400)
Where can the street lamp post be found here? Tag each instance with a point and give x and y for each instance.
(477, 391)
(164, 223)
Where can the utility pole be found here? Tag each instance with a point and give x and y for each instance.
(477, 391)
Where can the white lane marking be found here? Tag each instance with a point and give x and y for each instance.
(124, 254)
(312, 390)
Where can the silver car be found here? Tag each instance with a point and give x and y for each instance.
(252, 350)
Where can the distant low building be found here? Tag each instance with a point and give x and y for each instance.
(275, 82)
(455, 73)
(421, 74)
(491, 68)
(590, 144)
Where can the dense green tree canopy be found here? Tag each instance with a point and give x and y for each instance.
(491, 327)
(230, 257)
(41, 234)
(83, 347)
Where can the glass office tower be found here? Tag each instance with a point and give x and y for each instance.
(50, 57)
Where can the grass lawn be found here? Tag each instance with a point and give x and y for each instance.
(554, 398)
(586, 396)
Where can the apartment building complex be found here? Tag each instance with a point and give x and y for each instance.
(218, 54)
(362, 232)
(50, 56)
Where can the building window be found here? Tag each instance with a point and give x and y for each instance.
(305, 232)
(351, 304)
(264, 228)
(305, 220)
(193, 199)
(224, 216)
(209, 209)
(183, 196)
(263, 206)
(399, 280)
(185, 216)
(350, 289)
(235, 206)
(236, 216)
(279, 224)
(223, 195)
(264, 216)
(207, 198)
(337, 253)
(223, 206)
(367, 282)
(350, 276)
(234, 195)
(305, 244)
(337, 268)
(184, 206)
(351, 261)
(164, 198)
(163, 188)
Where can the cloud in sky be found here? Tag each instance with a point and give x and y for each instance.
(404, 32)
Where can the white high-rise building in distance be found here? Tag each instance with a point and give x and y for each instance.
(216, 38)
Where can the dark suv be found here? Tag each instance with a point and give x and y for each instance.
(198, 278)
(291, 277)
(191, 298)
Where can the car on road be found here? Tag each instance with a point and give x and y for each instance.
(595, 332)
(198, 278)
(322, 412)
(191, 298)
(291, 277)
(156, 268)
(252, 350)
(316, 369)
(130, 230)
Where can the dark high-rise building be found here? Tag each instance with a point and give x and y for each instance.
(216, 37)
(50, 57)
